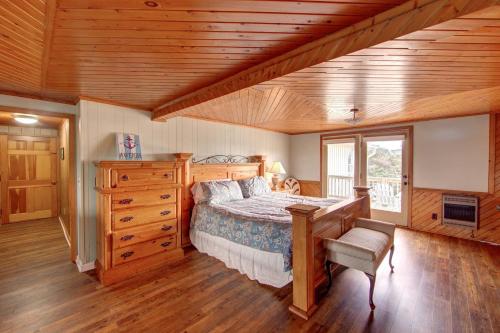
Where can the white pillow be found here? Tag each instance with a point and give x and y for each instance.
(219, 192)
(199, 195)
(254, 186)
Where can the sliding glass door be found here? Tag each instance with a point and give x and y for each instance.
(377, 161)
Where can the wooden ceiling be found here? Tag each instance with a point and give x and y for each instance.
(140, 55)
(450, 69)
(147, 54)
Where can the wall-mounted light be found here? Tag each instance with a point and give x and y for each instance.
(25, 119)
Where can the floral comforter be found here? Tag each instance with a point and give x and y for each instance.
(260, 222)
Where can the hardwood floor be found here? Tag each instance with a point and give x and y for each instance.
(440, 284)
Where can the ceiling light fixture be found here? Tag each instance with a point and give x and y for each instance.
(353, 120)
(25, 119)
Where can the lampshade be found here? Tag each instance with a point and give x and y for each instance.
(277, 167)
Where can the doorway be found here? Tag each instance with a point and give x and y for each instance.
(377, 159)
(37, 176)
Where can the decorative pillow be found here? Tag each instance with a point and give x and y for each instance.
(254, 186)
(199, 195)
(219, 192)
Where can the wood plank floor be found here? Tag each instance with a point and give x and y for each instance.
(440, 284)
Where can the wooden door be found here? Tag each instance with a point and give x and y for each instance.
(31, 182)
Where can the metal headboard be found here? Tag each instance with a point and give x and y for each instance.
(214, 159)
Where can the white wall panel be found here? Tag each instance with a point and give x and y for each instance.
(452, 154)
(99, 123)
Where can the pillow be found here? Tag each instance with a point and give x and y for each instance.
(199, 195)
(222, 191)
(254, 186)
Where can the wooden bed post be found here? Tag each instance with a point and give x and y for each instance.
(185, 158)
(303, 260)
(261, 159)
(364, 191)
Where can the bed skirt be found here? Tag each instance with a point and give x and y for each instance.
(265, 267)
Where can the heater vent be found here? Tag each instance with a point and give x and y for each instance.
(460, 210)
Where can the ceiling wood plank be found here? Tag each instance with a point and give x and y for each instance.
(398, 21)
(50, 12)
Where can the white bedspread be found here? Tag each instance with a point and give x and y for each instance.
(270, 207)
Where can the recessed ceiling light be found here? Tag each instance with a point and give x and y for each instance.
(25, 119)
(151, 4)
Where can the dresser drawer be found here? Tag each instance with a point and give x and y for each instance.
(144, 249)
(143, 198)
(147, 232)
(126, 218)
(143, 176)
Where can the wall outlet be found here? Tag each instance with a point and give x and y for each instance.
(434, 216)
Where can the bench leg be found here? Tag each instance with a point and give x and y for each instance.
(372, 287)
(328, 269)
(390, 259)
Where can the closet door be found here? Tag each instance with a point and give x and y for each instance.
(32, 178)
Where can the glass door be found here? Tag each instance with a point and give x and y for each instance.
(384, 169)
(341, 167)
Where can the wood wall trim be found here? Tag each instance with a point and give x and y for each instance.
(36, 97)
(448, 191)
(492, 156)
(110, 102)
(401, 20)
(395, 123)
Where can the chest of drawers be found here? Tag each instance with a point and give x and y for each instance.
(138, 217)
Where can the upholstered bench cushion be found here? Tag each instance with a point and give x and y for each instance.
(374, 241)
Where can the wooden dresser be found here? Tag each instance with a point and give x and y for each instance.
(138, 217)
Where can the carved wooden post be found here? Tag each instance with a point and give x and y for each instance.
(185, 158)
(303, 260)
(262, 160)
(364, 191)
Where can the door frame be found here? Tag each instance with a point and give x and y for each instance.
(407, 131)
(72, 181)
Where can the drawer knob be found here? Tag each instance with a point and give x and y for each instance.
(166, 227)
(125, 201)
(165, 244)
(165, 196)
(127, 254)
(127, 237)
(126, 219)
(165, 212)
(166, 175)
(124, 177)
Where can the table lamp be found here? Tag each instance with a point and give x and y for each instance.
(276, 170)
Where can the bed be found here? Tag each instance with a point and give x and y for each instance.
(225, 231)
(252, 235)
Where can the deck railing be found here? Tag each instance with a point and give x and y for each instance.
(340, 186)
(385, 192)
